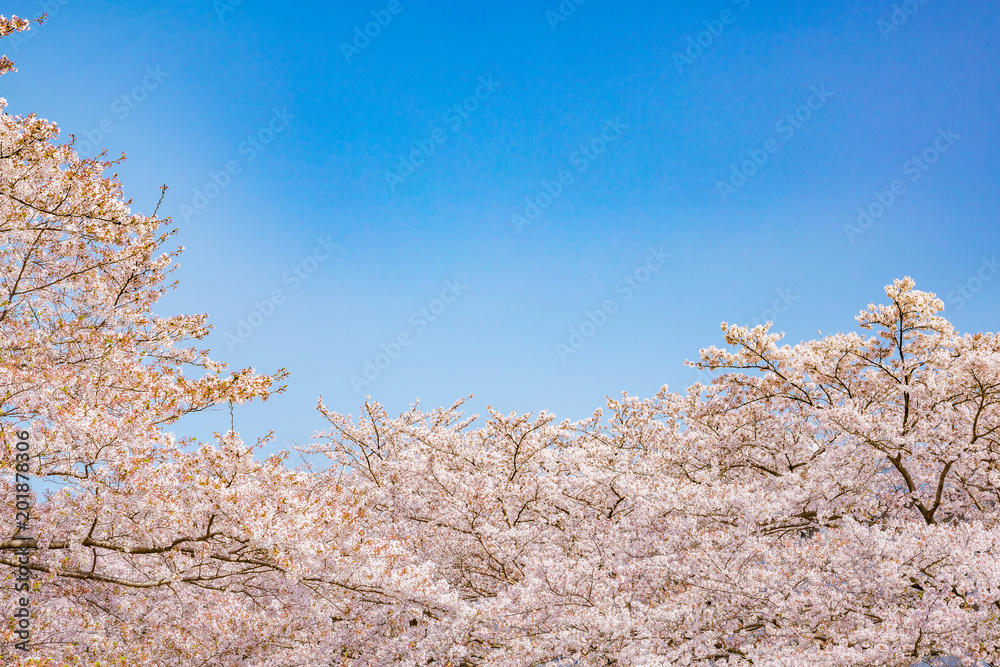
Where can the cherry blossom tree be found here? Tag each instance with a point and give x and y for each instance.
(830, 503)
(860, 478)
(149, 550)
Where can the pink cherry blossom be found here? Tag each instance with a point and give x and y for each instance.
(830, 503)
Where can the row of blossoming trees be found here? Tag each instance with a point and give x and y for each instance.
(832, 503)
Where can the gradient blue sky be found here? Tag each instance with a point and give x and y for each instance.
(226, 67)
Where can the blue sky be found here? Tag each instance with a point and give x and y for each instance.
(475, 184)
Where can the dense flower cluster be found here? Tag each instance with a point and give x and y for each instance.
(831, 503)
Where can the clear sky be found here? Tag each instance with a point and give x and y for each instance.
(475, 182)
